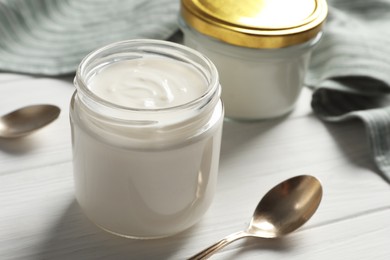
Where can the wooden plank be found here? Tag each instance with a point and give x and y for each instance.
(47, 146)
(349, 239)
(8, 77)
(39, 218)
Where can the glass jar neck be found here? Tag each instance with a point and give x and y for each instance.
(137, 49)
(139, 123)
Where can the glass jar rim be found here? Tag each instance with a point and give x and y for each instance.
(164, 48)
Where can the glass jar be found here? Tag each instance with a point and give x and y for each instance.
(145, 172)
(260, 48)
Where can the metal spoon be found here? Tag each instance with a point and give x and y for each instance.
(26, 120)
(282, 210)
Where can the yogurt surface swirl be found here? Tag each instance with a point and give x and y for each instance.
(148, 83)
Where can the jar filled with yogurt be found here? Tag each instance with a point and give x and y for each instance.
(146, 120)
(261, 49)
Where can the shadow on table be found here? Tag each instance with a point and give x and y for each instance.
(237, 134)
(262, 245)
(75, 237)
(17, 146)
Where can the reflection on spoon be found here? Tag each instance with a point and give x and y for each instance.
(26, 120)
(282, 210)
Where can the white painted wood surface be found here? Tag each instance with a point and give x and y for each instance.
(40, 219)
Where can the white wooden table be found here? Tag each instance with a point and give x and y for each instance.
(40, 219)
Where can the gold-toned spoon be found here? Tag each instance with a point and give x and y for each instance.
(26, 120)
(282, 210)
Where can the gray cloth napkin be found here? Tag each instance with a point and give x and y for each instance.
(350, 71)
(51, 37)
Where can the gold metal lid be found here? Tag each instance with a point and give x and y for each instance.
(256, 23)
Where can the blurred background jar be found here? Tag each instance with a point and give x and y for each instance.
(261, 49)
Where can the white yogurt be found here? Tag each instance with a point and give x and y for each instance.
(149, 167)
(150, 82)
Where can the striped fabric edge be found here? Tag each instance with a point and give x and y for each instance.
(377, 122)
(334, 104)
(378, 126)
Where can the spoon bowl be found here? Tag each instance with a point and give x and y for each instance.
(26, 120)
(284, 208)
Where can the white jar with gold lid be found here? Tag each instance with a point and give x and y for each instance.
(261, 49)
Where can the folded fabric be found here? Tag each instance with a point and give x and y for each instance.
(51, 37)
(350, 71)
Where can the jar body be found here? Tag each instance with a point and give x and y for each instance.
(256, 83)
(145, 179)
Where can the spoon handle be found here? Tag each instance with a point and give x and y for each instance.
(206, 253)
